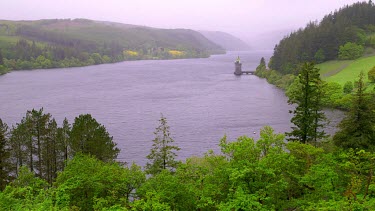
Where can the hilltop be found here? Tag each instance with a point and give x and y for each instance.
(226, 41)
(80, 42)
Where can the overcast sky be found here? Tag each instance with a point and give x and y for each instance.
(243, 18)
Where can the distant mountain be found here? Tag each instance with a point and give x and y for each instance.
(225, 40)
(80, 42)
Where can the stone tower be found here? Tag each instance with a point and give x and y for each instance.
(238, 67)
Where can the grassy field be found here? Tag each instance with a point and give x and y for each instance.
(343, 71)
(6, 41)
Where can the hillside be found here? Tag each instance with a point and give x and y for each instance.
(337, 36)
(79, 42)
(347, 70)
(226, 41)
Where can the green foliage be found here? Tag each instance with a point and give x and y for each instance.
(5, 156)
(357, 128)
(319, 56)
(350, 51)
(333, 93)
(308, 116)
(162, 155)
(371, 75)
(87, 182)
(262, 65)
(89, 137)
(348, 87)
(320, 41)
(267, 174)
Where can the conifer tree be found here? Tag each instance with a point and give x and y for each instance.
(63, 144)
(5, 165)
(162, 155)
(308, 116)
(89, 137)
(357, 128)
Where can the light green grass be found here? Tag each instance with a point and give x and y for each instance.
(332, 67)
(6, 41)
(343, 71)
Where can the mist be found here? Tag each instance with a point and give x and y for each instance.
(260, 23)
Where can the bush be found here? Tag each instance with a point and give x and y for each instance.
(348, 87)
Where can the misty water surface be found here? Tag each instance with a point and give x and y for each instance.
(202, 99)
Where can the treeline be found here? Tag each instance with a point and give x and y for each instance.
(266, 174)
(343, 34)
(70, 43)
(25, 55)
(39, 144)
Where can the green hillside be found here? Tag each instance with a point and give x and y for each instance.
(79, 42)
(340, 35)
(347, 70)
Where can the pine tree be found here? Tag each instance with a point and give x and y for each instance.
(5, 165)
(162, 155)
(89, 137)
(38, 126)
(63, 144)
(308, 116)
(357, 128)
(262, 64)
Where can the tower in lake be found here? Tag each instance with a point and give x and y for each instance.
(238, 66)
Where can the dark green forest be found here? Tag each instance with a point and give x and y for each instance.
(343, 34)
(68, 43)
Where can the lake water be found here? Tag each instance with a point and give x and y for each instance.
(201, 98)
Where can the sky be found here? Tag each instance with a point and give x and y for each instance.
(253, 21)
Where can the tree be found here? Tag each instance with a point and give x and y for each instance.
(348, 87)
(357, 128)
(63, 137)
(87, 180)
(308, 116)
(37, 124)
(162, 155)
(350, 51)
(5, 165)
(371, 75)
(319, 56)
(89, 137)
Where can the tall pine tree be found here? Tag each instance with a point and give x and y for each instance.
(357, 129)
(162, 155)
(5, 165)
(308, 116)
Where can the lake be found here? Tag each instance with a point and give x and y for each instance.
(201, 98)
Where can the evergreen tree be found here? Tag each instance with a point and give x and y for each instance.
(357, 128)
(63, 144)
(5, 165)
(89, 137)
(38, 126)
(162, 155)
(308, 116)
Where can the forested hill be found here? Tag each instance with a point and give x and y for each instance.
(225, 40)
(79, 42)
(343, 34)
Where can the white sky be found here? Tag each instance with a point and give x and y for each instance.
(243, 18)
